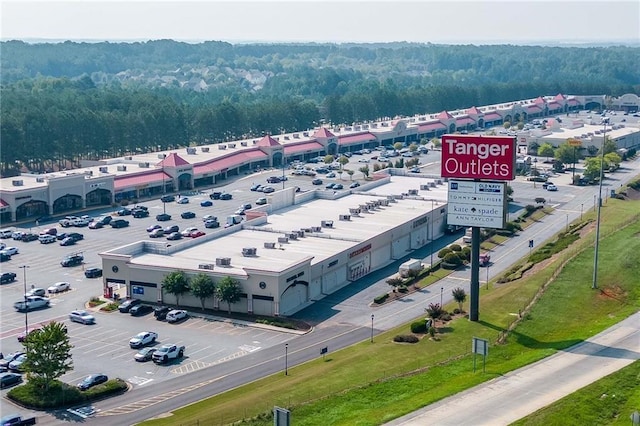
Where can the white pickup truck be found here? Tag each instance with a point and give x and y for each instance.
(30, 303)
(168, 352)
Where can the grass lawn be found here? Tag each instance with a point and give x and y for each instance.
(369, 384)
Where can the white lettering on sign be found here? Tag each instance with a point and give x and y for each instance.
(453, 166)
(481, 150)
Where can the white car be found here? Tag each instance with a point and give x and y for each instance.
(187, 231)
(182, 200)
(80, 221)
(207, 217)
(552, 187)
(36, 291)
(143, 338)
(10, 251)
(58, 287)
(82, 316)
(176, 315)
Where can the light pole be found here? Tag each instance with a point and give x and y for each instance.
(441, 293)
(431, 265)
(594, 285)
(372, 328)
(487, 275)
(581, 208)
(567, 226)
(286, 355)
(26, 309)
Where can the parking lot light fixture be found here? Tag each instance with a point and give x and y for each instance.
(286, 354)
(26, 311)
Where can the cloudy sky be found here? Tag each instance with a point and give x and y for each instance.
(452, 21)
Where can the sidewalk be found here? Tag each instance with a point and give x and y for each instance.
(517, 394)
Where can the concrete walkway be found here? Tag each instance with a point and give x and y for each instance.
(517, 394)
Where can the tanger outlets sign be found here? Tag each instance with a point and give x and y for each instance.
(478, 157)
(481, 204)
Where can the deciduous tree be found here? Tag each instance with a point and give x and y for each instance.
(203, 287)
(176, 283)
(229, 291)
(48, 354)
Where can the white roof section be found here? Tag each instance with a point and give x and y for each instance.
(590, 132)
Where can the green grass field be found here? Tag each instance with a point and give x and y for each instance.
(369, 384)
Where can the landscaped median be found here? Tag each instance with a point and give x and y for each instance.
(371, 383)
(61, 395)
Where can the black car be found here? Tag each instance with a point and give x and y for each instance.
(61, 236)
(4, 257)
(119, 223)
(92, 380)
(9, 379)
(126, 306)
(226, 196)
(124, 212)
(93, 272)
(172, 228)
(160, 312)
(7, 277)
(215, 195)
(174, 236)
(140, 310)
(29, 237)
(72, 260)
(188, 215)
(163, 217)
(139, 214)
(168, 198)
(76, 236)
(67, 242)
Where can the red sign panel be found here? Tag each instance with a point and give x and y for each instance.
(478, 157)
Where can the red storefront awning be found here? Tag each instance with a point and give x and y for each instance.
(303, 147)
(464, 121)
(230, 162)
(425, 128)
(139, 180)
(358, 138)
(492, 116)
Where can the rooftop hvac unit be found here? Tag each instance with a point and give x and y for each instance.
(345, 217)
(327, 224)
(208, 266)
(204, 149)
(316, 229)
(413, 192)
(129, 158)
(305, 134)
(269, 245)
(286, 138)
(307, 229)
(40, 179)
(384, 202)
(122, 168)
(301, 233)
(296, 136)
(103, 169)
(374, 125)
(432, 184)
(371, 205)
(424, 187)
(143, 165)
(364, 207)
(232, 145)
(243, 143)
(222, 146)
(17, 182)
(292, 236)
(354, 212)
(365, 126)
(162, 156)
(255, 141)
(438, 181)
(277, 138)
(282, 240)
(391, 198)
(87, 172)
(249, 251)
(191, 150)
(223, 261)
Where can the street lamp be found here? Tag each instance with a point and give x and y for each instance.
(286, 354)
(441, 293)
(26, 310)
(594, 285)
(372, 328)
(487, 275)
(431, 265)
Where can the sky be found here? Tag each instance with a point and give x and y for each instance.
(422, 21)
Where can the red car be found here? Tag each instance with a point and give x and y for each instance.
(196, 234)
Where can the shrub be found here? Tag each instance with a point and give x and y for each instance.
(442, 253)
(529, 209)
(110, 307)
(432, 331)
(453, 259)
(406, 338)
(419, 326)
(381, 299)
(435, 310)
(394, 282)
(403, 288)
(466, 251)
(445, 316)
(96, 301)
(62, 394)
(455, 247)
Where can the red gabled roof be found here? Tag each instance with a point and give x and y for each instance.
(554, 105)
(3, 203)
(473, 110)
(533, 108)
(230, 161)
(359, 137)
(559, 97)
(464, 121)
(172, 160)
(140, 179)
(302, 147)
(492, 116)
(268, 141)
(444, 115)
(323, 132)
(539, 101)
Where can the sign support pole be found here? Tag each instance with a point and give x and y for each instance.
(474, 300)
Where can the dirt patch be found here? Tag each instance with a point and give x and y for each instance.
(633, 194)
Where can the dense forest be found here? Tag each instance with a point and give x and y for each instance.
(67, 101)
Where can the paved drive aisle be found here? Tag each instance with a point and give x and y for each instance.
(511, 397)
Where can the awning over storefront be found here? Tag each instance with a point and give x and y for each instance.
(139, 180)
(303, 147)
(426, 128)
(232, 161)
(358, 138)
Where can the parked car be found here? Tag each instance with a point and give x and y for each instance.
(59, 287)
(93, 272)
(30, 303)
(23, 336)
(552, 188)
(124, 212)
(255, 187)
(160, 312)
(144, 354)
(75, 235)
(173, 236)
(46, 239)
(10, 251)
(128, 304)
(80, 222)
(4, 257)
(82, 317)
(215, 195)
(261, 201)
(207, 217)
(156, 233)
(172, 228)
(196, 234)
(212, 224)
(4, 363)
(273, 179)
(331, 175)
(330, 185)
(139, 214)
(72, 260)
(96, 225)
(206, 203)
(140, 310)
(29, 237)
(187, 231)
(7, 277)
(6, 233)
(183, 200)
(354, 185)
(176, 315)
(316, 182)
(36, 291)
(152, 227)
(143, 338)
(92, 380)
(163, 217)
(67, 242)
(119, 223)
(188, 215)
(226, 196)
(16, 364)
(268, 189)
(167, 198)
(337, 186)
(9, 379)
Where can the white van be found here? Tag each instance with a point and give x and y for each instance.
(6, 233)
(46, 239)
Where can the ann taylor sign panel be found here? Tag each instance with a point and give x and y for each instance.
(478, 157)
(482, 204)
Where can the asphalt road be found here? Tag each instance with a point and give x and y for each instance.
(342, 319)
